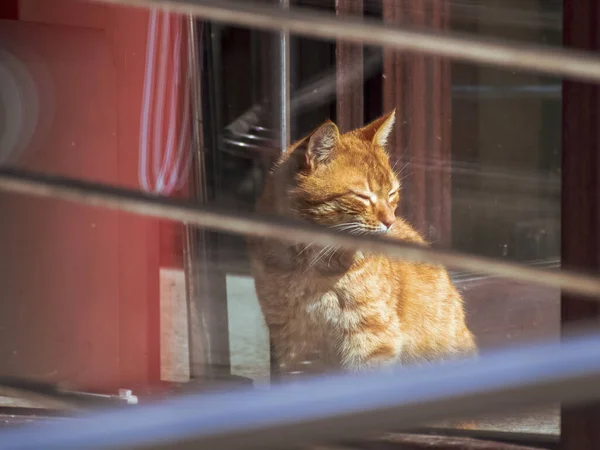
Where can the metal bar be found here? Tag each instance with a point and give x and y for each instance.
(284, 82)
(136, 202)
(460, 46)
(443, 19)
(47, 395)
(207, 307)
(196, 66)
(194, 251)
(336, 407)
(541, 91)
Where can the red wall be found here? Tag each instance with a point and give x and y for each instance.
(80, 285)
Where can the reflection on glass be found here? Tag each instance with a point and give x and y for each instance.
(476, 149)
(106, 300)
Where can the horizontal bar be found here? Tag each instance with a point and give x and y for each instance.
(459, 46)
(336, 407)
(553, 91)
(95, 194)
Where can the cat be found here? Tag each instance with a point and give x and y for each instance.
(332, 309)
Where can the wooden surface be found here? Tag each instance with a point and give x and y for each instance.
(418, 87)
(349, 73)
(392, 442)
(504, 312)
(427, 442)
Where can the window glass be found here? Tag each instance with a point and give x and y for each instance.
(199, 110)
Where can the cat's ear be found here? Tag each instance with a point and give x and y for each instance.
(321, 144)
(379, 130)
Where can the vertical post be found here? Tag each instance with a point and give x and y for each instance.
(194, 238)
(440, 194)
(418, 87)
(284, 86)
(580, 212)
(207, 308)
(284, 82)
(349, 73)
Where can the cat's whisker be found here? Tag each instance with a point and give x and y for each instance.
(345, 225)
(318, 256)
(327, 251)
(350, 227)
(330, 252)
(333, 252)
(359, 229)
(352, 230)
(305, 248)
(405, 176)
(405, 165)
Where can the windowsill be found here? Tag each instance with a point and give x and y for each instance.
(443, 441)
(541, 421)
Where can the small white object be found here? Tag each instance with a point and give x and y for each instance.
(127, 395)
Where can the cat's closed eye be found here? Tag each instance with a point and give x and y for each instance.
(365, 197)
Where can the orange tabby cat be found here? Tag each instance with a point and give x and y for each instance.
(346, 309)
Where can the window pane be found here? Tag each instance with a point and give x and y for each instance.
(477, 149)
(197, 110)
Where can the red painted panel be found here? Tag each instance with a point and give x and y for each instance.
(60, 272)
(9, 9)
(139, 250)
(83, 282)
(76, 13)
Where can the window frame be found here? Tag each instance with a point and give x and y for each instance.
(580, 213)
(580, 196)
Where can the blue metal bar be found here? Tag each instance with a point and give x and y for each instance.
(336, 407)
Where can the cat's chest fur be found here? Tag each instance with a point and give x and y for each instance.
(320, 312)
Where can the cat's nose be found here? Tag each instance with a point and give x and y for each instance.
(387, 218)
